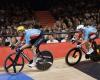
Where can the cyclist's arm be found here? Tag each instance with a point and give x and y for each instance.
(85, 37)
(27, 43)
(25, 46)
(77, 36)
(20, 41)
(83, 42)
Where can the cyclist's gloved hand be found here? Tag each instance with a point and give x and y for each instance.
(19, 50)
(79, 46)
(12, 46)
(73, 39)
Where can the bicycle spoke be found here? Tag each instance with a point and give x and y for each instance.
(14, 67)
(73, 53)
(9, 66)
(19, 64)
(11, 59)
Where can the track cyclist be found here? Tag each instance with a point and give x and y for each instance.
(84, 34)
(31, 38)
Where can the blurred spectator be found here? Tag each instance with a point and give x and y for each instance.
(1, 41)
(65, 39)
(13, 40)
(68, 15)
(7, 41)
(52, 39)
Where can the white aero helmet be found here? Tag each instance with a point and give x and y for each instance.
(80, 27)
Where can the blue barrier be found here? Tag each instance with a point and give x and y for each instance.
(19, 76)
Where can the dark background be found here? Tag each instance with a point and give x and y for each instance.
(43, 4)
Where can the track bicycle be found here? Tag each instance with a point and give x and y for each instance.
(74, 55)
(14, 63)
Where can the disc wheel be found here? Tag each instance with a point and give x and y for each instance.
(44, 60)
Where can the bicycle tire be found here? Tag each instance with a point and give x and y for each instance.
(95, 56)
(5, 64)
(45, 65)
(94, 45)
(67, 56)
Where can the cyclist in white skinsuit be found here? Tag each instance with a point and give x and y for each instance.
(88, 33)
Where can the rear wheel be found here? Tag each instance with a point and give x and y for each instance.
(95, 56)
(73, 56)
(44, 60)
(96, 47)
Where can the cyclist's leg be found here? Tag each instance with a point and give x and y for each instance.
(33, 63)
(33, 49)
(34, 53)
(89, 48)
(89, 44)
(35, 43)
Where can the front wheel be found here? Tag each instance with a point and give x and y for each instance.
(44, 60)
(73, 56)
(11, 66)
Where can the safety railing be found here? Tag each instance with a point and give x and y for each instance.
(51, 33)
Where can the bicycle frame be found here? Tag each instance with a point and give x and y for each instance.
(25, 56)
(37, 51)
(82, 49)
(46, 58)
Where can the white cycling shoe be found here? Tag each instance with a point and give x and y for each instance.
(90, 51)
(33, 64)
